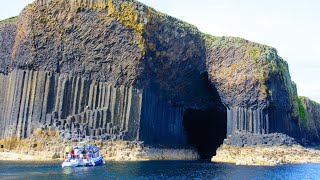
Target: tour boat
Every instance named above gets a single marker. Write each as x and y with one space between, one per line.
92 158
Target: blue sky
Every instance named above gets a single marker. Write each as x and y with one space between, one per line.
291 26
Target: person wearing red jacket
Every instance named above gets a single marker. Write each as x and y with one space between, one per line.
72 153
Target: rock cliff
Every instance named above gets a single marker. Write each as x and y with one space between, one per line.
119 70
254 84
309 119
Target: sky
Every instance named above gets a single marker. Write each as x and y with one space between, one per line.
291 26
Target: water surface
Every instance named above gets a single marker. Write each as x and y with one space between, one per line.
156 170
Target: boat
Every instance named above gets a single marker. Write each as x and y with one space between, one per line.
93 157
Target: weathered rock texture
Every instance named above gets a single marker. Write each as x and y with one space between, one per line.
242 139
47 145
310 119
266 155
255 85
111 69
76 106
103 68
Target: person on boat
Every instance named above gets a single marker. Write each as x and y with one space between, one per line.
76 153
90 153
72 153
83 152
91 156
87 156
67 151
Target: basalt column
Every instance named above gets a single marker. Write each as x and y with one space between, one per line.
76 106
161 123
247 119
260 121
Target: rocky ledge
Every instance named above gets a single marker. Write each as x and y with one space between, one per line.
111 151
137 151
245 148
242 139
266 155
47 146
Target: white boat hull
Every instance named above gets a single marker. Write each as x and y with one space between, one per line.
83 162
71 163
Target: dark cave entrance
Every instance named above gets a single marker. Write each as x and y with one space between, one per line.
205 130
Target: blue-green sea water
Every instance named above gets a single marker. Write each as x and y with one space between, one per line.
156 170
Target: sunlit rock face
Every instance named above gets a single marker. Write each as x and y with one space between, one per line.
119 70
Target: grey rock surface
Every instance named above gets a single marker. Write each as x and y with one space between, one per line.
242 139
310 120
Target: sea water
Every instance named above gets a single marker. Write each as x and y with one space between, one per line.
156 170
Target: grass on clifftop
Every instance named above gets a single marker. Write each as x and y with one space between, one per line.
12 19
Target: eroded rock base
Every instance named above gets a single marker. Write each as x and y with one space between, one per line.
266 155
47 145
243 138
136 151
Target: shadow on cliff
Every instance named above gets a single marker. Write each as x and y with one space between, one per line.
206 129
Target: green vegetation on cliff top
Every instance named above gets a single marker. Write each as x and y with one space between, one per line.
11 19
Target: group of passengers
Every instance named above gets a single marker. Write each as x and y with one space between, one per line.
79 153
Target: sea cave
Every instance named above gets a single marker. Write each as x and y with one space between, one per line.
205 130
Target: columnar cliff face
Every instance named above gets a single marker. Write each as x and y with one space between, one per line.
7 37
76 106
254 84
309 119
111 69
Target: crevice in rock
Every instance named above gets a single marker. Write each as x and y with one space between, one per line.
205 130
